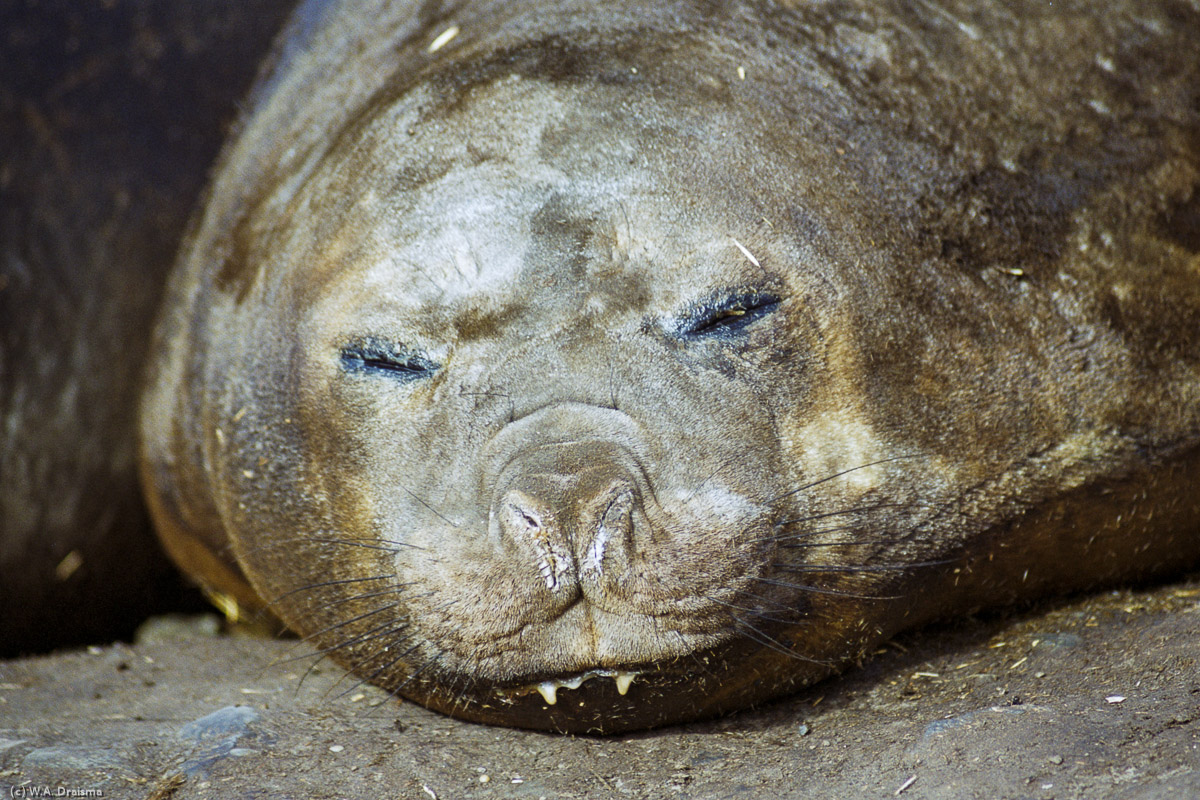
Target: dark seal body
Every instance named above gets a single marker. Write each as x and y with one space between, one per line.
594 366
111 115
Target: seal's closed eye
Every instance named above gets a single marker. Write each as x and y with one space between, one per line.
396 361
726 316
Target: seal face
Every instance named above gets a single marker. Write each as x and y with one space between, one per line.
556 375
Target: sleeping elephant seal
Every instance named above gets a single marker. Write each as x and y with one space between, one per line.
594 366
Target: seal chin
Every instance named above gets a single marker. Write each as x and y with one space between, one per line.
582 640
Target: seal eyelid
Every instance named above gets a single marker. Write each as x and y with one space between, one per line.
374 356
728 315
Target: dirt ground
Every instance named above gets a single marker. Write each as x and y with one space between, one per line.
1097 697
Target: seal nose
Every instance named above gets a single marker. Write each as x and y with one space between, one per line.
570 509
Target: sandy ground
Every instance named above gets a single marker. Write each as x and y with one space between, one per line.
1098 697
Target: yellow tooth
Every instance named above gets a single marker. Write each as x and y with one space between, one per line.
623 680
549 691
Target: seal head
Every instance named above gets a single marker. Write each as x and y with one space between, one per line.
598 382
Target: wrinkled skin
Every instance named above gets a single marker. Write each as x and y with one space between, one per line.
671 358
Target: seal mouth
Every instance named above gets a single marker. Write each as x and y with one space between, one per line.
548 689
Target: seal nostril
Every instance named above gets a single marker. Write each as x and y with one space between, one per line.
521 516
619 511
532 524
608 531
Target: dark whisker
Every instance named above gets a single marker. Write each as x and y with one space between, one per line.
753 633
819 531
396 691
371 678
385 546
388 628
324 652
327 584
759 613
818 590
435 512
842 511
505 395
806 545
378 632
861 567
391 590
345 622
375 543
836 475
765 602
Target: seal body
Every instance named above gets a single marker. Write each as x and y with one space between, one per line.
110 118
598 366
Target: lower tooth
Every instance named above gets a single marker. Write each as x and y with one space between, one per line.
549 691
